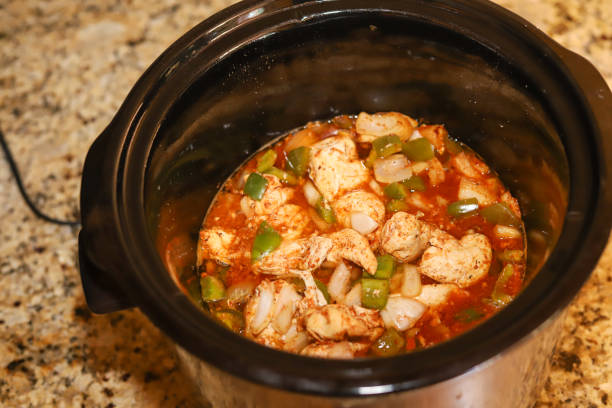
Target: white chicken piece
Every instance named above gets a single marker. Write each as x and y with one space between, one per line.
215 243
273 198
290 220
338 322
350 245
370 127
405 236
469 165
304 254
335 168
436 135
479 189
436 293
338 350
462 262
270 316
512 202
359 202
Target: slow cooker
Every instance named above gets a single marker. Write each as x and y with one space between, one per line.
537 113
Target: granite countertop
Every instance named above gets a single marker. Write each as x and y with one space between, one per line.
65 67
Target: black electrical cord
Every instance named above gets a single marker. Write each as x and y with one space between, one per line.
24 194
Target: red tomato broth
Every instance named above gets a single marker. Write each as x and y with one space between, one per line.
438 323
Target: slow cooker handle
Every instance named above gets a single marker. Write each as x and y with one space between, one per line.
99 253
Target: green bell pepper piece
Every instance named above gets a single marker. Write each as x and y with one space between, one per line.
325 211
414 183
389 344
468 315
385 267
462 207
369 161
297 160
500 213
212 289
343 122
230 318
452 146
266 241
374 293
255 186
396 205
511 255
395 190
266 160
498 296
283 176
323 288
418 150
387 145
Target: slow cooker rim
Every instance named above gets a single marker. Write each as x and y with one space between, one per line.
153 311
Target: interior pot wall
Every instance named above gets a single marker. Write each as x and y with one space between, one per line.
376 63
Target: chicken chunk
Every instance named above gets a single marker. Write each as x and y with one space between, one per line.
436 294
469 165
275 196
350 245
370 127
462 262
484 192
335 167
359 202
291 221
304 254
339 350
215 243
436 134
338 322
405 237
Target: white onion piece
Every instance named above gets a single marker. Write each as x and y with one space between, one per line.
339 282
305 137
401 312
376 188
285 307
353 297
391 169
502 231
296 340
411 280
311 193
263 310
239 292
363 223
415 135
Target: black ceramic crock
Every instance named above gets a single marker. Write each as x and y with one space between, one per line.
539 114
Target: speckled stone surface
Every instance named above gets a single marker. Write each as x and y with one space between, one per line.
65 67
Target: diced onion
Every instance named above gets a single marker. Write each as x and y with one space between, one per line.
376 188
305 137
339 282
411 280
415 135
285 307
239 292
311 193
401 313
353 297
502 231
263 310
363 223
391 169
319 222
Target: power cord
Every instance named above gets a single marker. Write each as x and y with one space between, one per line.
24 194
